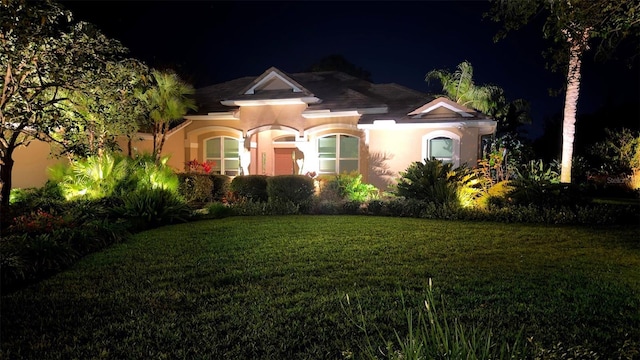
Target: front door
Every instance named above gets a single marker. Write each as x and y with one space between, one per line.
283 161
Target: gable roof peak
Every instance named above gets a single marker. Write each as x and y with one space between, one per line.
274 79
443 102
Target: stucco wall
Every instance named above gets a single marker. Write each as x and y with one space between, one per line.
392 151
31 164
174 146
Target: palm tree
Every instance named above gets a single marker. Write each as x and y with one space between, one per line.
169 102
459 87
575 26
577 46
489 99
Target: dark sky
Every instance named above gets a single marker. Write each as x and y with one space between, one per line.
399 42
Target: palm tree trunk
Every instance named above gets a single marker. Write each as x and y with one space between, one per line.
570 104
163 130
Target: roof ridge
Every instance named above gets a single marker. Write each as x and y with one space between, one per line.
404 88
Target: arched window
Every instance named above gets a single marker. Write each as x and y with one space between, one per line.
224 155
338 153
443 146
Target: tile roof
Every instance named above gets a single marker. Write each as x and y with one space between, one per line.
336 90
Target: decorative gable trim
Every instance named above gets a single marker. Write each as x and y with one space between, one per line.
442 103
293 101
270 75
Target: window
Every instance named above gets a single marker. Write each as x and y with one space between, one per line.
224 154
443 146
338 154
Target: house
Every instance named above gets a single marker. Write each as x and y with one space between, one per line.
321 123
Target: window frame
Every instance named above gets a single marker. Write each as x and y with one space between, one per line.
441 134
222 158
338 152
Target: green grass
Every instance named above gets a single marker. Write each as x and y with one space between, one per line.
275 287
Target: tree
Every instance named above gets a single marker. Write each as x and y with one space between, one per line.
168 102
489 99
95 115
460 87
574 25
43 57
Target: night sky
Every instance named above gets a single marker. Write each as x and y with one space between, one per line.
211 41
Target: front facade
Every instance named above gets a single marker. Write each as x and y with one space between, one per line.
321 123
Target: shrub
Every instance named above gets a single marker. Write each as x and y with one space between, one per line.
431 181
31 196
250 208
196 188
37 222
284 207
47 197
545 194
376 207
219 210
254 208
326 207
539 185
153 207
112 175
350 187
144 173
90 178
352 207
402 207
536 170
496 195
221 184
27 257
440 183
619 153
297 189
250 187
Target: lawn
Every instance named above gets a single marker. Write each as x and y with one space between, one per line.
276 288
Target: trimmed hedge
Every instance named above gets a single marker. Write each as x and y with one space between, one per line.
298 189
250 187
221 184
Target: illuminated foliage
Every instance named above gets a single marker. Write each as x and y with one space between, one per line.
489 99
168 101
46 63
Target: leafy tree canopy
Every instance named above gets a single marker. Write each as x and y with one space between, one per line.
46 60
606 23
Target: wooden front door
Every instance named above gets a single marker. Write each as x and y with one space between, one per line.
283 161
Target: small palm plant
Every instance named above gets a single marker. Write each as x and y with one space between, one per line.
169 101
151 175
112 175
90 178
440 183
